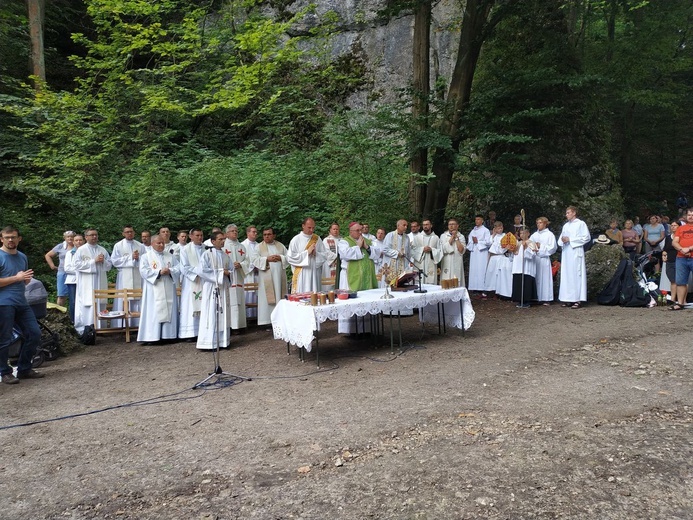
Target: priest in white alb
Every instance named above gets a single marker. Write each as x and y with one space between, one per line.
331 267
91 263
271 264
126 259
454 246
191 286
574 235
216 270
250 244
241 267
397 251
427 252
306 256
160 274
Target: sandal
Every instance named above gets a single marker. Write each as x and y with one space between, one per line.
676 307
566 304
576 305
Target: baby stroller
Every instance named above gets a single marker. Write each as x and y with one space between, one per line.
37 298
645 265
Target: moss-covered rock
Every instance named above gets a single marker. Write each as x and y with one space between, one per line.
59 322
601 262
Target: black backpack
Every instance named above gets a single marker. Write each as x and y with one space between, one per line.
88 337
611 293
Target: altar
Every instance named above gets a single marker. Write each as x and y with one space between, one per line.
298 323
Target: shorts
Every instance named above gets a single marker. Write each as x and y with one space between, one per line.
62 289
684 267
670 268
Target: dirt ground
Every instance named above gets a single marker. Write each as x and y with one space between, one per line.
534 413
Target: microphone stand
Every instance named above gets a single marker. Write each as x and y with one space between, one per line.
218 374
522 281
420 274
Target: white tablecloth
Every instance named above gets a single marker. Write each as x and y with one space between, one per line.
296 322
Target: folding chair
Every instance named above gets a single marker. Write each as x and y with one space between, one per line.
251 287
103 313
131 294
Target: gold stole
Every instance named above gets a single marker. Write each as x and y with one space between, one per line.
299 269
266 276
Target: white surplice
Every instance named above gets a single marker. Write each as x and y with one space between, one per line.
270 274
215 324
191 290
308 279
478 257
496 261
544 277
573 286
504 278
91 275
159 306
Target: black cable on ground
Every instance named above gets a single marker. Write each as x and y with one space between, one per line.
219 384
143 402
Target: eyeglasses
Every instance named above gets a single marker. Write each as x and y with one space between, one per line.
92 235
14 238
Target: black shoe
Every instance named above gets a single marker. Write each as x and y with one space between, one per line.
9 379
30 374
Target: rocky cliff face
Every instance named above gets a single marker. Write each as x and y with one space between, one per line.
385 45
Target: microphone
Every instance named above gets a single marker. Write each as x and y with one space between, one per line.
411 261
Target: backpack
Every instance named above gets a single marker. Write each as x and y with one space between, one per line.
611 293
88 337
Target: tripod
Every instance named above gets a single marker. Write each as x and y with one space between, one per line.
217 374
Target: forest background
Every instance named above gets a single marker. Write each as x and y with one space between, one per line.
186 113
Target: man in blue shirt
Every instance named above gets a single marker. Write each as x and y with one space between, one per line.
14 309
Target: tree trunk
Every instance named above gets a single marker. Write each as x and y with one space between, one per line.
611 29
475 26
36 9
421 91
627 148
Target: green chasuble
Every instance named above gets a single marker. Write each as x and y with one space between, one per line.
361 273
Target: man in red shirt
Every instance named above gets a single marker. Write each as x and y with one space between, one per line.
683 243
